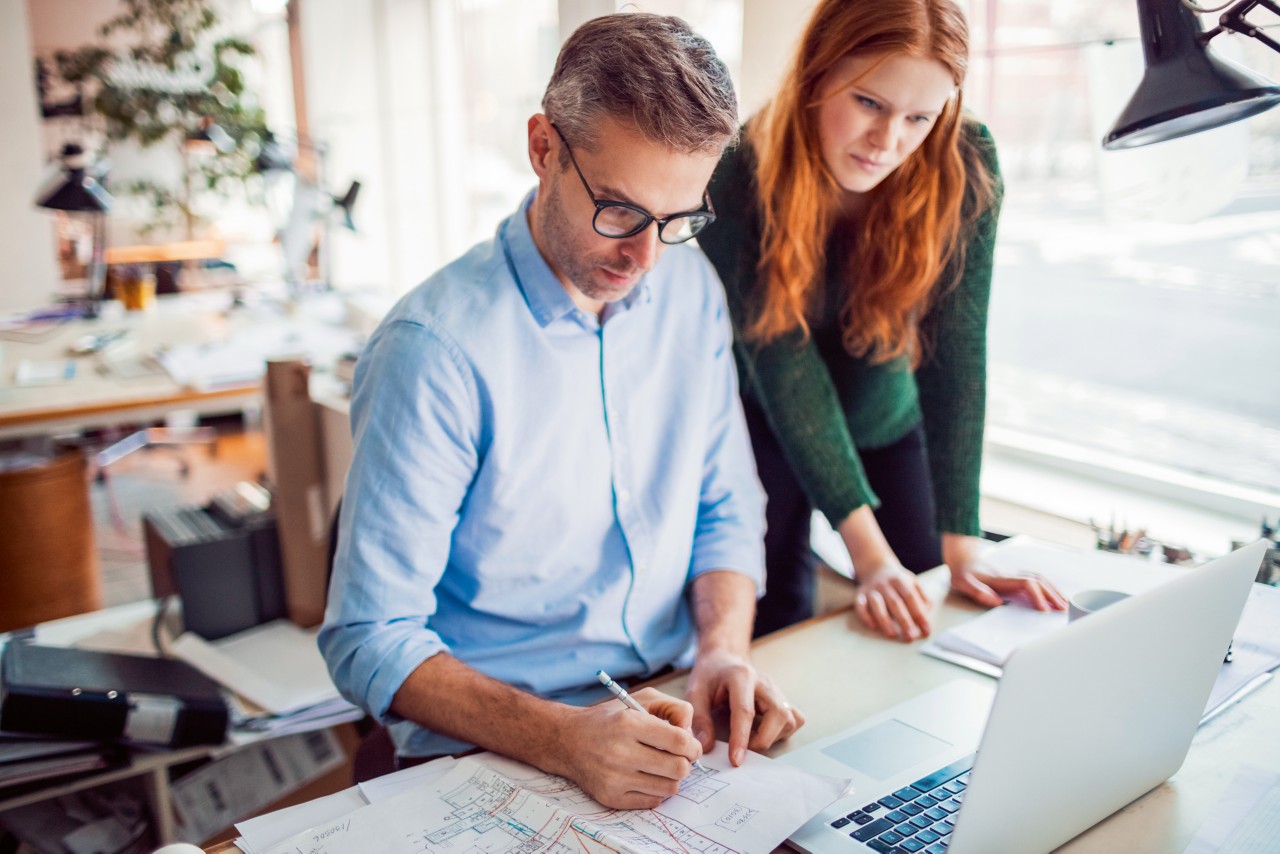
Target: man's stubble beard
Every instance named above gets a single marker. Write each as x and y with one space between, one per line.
567 255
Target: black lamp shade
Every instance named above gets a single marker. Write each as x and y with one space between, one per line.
76 191
1186 88
73 189
347 203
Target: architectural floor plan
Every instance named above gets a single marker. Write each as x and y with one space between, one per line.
491 805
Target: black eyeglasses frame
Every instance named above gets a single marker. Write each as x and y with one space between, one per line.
706 215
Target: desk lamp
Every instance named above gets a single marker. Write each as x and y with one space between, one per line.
1187 87
78 194
311 202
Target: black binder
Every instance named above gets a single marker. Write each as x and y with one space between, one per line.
100 695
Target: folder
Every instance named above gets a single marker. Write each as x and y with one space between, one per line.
26 759
87 694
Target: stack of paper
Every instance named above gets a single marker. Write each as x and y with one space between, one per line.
985 642
257 835
277 674
213 366
242 359
491 803
25 758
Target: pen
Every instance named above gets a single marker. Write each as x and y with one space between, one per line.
621 693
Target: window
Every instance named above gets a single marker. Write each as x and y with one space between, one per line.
1136 301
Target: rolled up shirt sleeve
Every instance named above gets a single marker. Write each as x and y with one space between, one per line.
415 423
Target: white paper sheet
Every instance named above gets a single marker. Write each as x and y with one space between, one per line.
276 665
390 785
985 642
44 371
498 806
260 833
1246 819
993 636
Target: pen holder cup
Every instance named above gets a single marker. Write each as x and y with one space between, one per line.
136 289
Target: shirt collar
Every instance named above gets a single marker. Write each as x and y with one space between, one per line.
544 293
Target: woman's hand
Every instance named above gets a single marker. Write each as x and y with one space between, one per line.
890 599
973 581
891 602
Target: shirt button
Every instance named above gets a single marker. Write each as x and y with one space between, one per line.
640 568
624 496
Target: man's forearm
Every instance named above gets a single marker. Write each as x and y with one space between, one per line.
724 610
444 695
622 758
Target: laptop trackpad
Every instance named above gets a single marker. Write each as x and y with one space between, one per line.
886 749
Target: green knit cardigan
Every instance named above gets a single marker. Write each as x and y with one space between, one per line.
824 404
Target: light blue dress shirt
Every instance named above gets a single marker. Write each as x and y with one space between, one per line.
533 489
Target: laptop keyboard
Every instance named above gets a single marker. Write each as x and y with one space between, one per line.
917 818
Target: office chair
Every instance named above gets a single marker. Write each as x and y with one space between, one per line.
149 437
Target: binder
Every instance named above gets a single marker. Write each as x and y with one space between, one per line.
87 694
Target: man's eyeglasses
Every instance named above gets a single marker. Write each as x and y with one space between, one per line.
620 219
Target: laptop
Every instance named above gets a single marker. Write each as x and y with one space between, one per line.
1085 720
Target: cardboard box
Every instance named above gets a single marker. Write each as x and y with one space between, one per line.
296 468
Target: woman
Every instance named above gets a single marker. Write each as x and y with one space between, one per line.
855 234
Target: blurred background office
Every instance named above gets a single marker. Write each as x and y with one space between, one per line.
1137 293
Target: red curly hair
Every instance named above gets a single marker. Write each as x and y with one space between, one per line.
910 230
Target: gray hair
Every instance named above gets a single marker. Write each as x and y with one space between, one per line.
651 70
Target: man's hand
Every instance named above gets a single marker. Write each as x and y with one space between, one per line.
626 759
726 679
623 758
891 602
723 675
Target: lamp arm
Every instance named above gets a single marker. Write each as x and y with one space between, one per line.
1234 19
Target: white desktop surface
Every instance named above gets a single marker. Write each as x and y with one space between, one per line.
99 397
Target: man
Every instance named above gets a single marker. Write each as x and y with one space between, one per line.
551 473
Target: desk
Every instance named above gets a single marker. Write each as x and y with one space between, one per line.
186 250
96 399
874 674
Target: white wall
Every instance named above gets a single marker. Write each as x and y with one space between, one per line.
68 25
28 274
770 33
344 51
